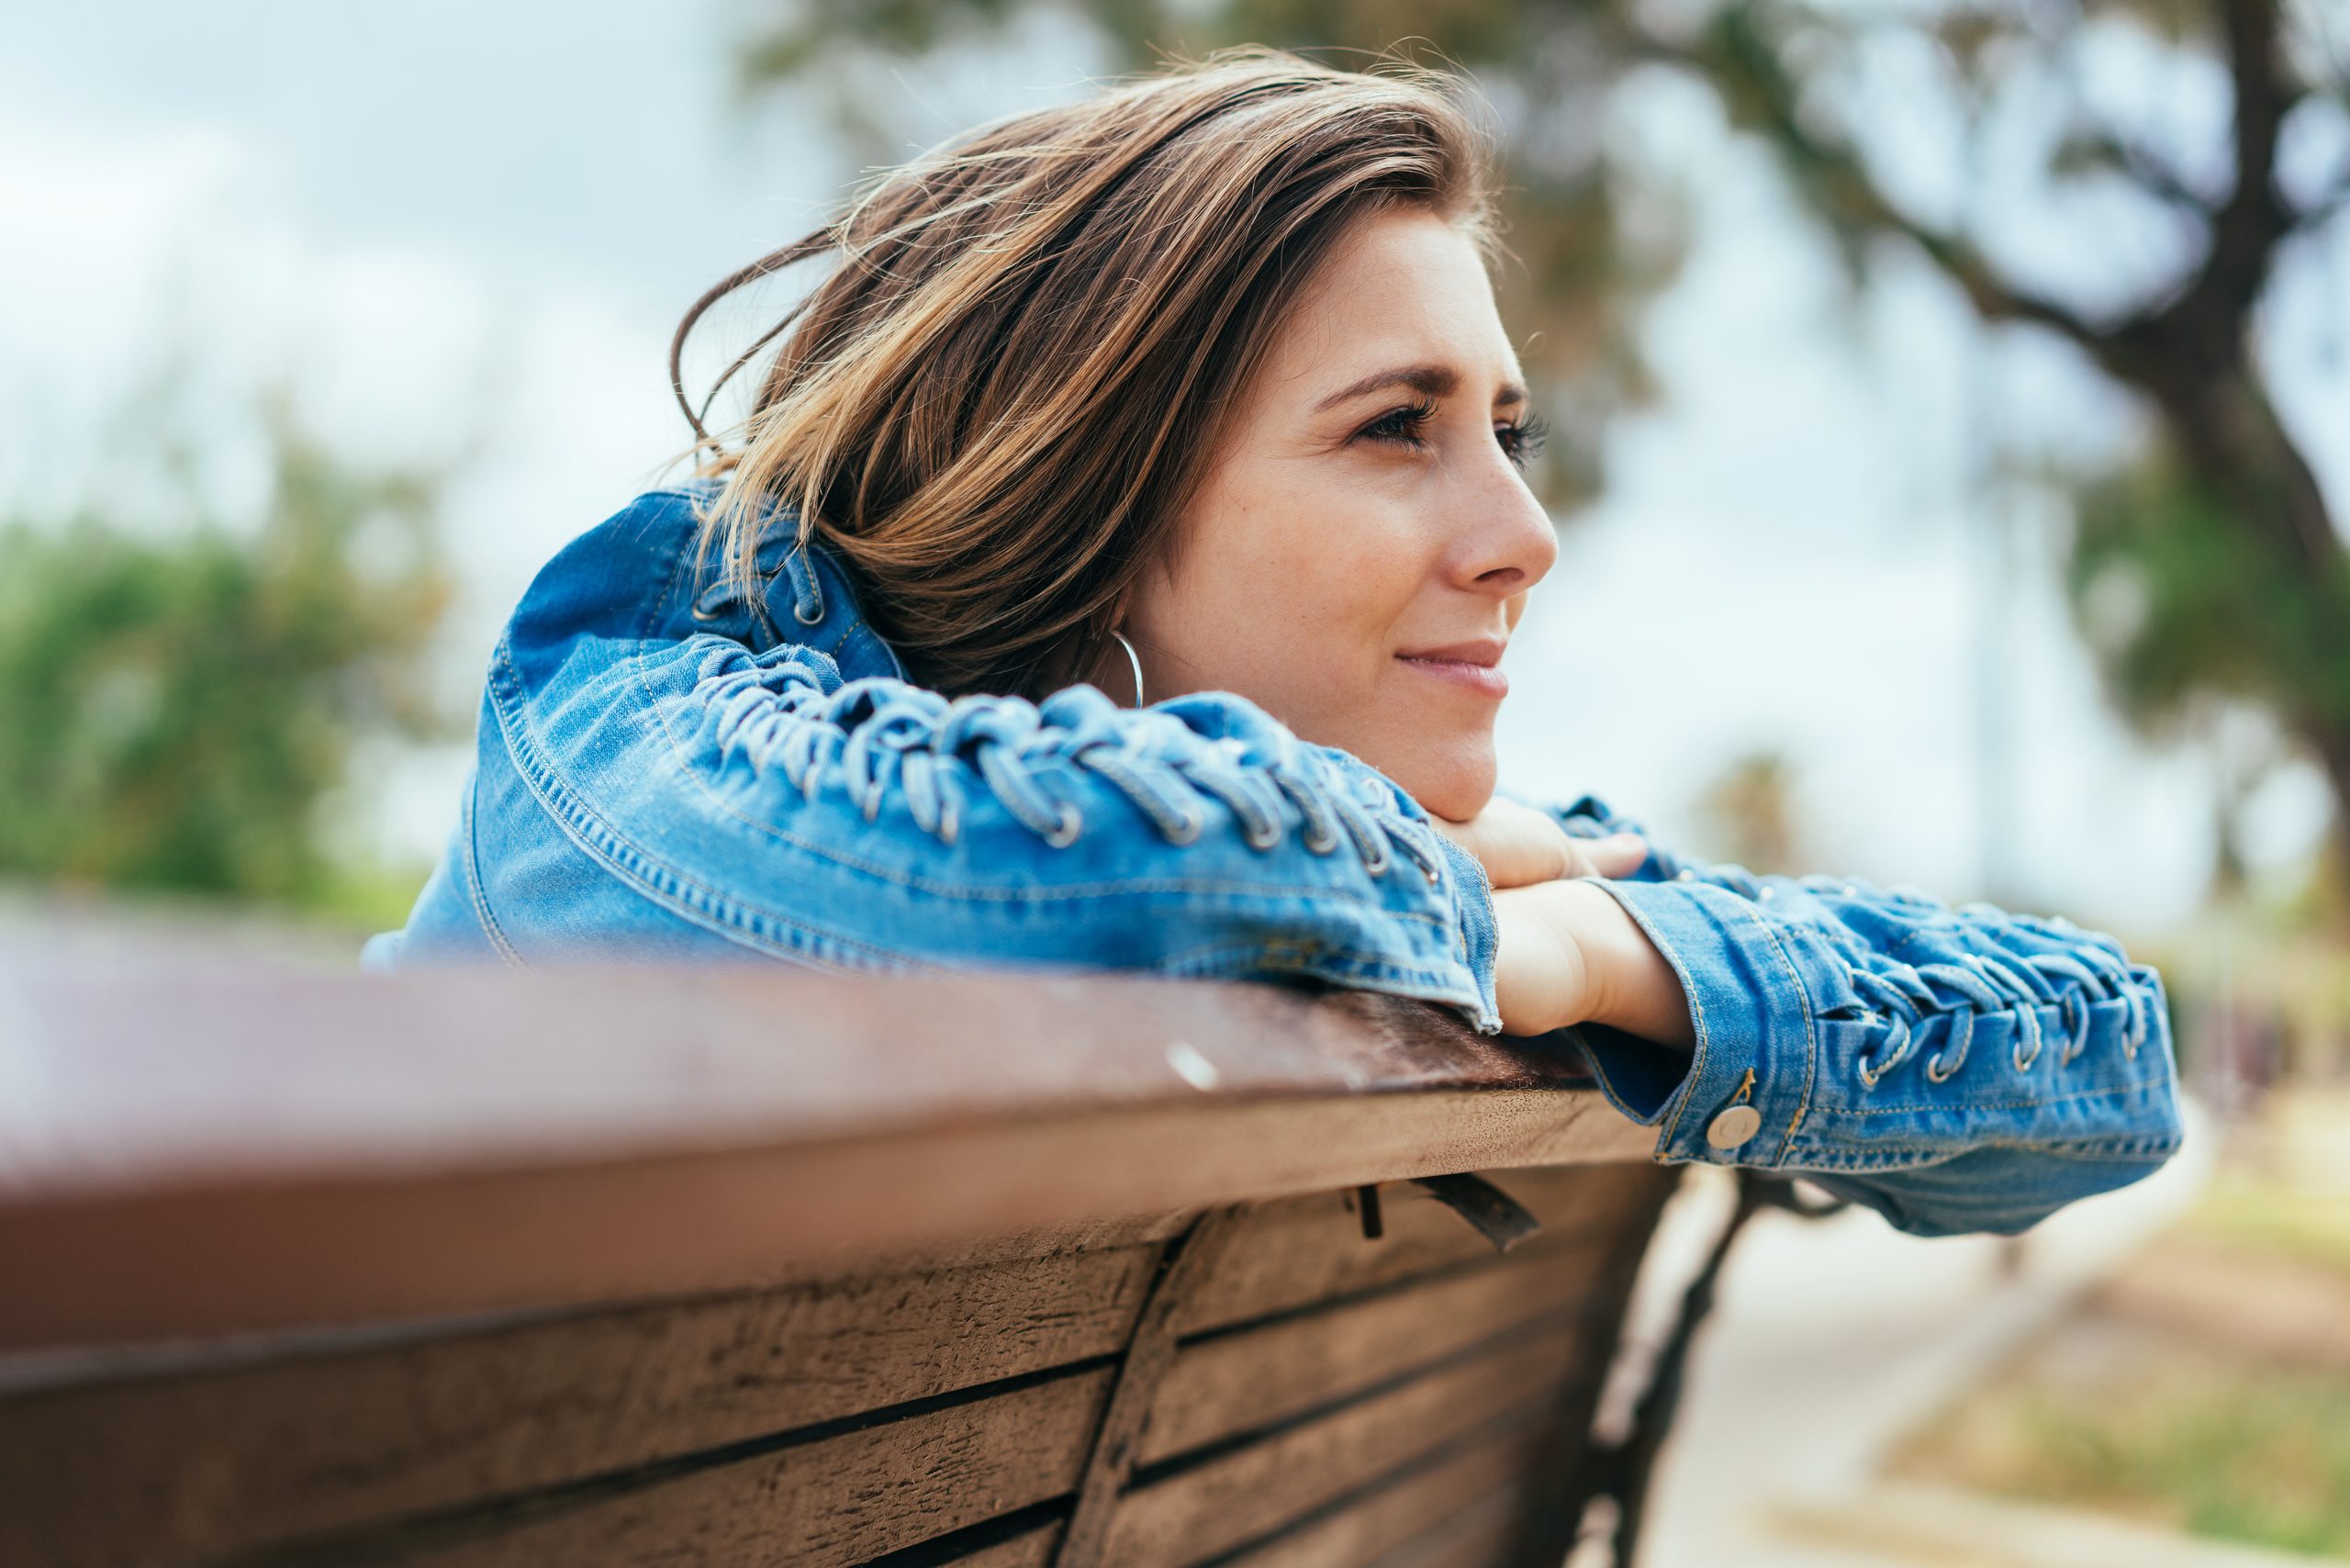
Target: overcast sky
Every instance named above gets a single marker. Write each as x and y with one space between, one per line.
465 217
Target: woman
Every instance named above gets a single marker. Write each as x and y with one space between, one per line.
1113 571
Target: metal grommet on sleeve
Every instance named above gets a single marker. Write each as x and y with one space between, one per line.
1737 1121
1734 1126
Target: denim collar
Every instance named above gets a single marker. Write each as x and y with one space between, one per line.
807 597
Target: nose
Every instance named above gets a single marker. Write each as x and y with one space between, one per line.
1506 542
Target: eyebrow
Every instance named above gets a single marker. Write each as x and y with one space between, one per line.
1430 380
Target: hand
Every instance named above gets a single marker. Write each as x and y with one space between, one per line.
1570 954
1519 846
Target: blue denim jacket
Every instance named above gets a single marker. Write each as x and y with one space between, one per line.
669 769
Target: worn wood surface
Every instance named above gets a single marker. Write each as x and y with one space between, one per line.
712 1427
124 1081
1034 1548
297 1444
1478 1536
214 1155
1312 1248
212 1459
1230 1499
1241 1382
1400 1510
839 1501
774 1268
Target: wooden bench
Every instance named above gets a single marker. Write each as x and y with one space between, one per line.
736 1266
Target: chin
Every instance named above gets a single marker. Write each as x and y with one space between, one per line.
1453 781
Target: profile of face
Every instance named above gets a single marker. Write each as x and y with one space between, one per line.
1363 545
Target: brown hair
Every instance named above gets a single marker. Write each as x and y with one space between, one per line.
997 404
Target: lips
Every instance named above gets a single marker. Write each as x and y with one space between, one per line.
1474 665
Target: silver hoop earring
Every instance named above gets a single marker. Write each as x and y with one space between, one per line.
1133 659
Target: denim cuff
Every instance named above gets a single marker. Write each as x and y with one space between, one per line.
1755 1044
1479 935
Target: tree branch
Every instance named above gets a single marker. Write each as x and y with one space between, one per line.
1760 94
2103 148
2247 226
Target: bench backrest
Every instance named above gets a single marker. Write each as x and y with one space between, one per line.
757 1267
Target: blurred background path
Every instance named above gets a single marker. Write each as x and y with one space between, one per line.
1834 1340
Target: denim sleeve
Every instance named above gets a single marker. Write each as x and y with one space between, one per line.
1958 1071
872 824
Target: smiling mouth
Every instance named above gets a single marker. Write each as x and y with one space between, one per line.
1485 680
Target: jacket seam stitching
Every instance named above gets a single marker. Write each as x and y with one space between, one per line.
841 641
478 895
623 857
1877 1159
2130 1088
1811 1040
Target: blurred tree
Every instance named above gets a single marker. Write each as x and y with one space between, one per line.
175 703
1750 808
1591 247
2216 534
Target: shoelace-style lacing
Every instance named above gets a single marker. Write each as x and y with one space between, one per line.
1906 992
869 733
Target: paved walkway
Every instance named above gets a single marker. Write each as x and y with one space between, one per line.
1833 1338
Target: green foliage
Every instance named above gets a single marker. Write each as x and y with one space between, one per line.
2183 1431
2249 1209
176 704
2260 1458
2179 600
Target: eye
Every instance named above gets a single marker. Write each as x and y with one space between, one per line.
1401 425
1521 441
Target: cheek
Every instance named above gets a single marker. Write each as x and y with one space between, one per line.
1312 588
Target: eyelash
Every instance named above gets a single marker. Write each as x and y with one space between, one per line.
1519 442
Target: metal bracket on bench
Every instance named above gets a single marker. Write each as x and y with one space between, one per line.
1492 1212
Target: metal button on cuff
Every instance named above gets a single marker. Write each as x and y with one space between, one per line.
1733 1126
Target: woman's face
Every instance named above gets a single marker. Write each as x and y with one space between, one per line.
1363 545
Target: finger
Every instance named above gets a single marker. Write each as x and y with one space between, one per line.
1508 842
1617 854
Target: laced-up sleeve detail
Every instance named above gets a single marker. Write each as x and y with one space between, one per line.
876 737
871 821
1959 1068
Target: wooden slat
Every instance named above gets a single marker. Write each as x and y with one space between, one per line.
1399 1508
1247 1379
206 1262
1196 1511
216 1460
262 1448
1035 1548
1304 1250
612 1267
122 1080
826 1505
1477 1537
199 1155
